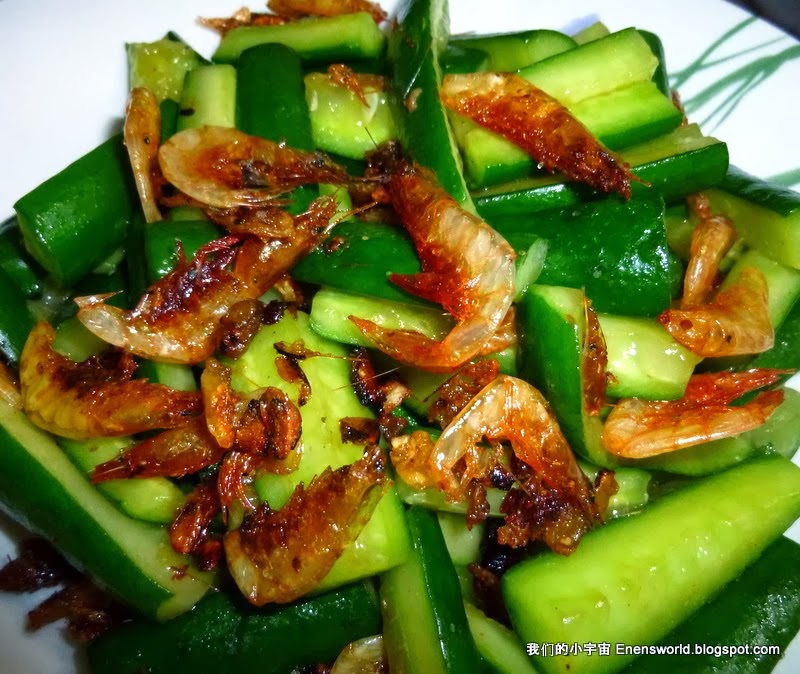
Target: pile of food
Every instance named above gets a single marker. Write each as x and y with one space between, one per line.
367 347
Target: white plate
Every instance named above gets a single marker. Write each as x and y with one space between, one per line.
62 73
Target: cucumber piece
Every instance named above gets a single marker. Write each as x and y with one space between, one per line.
780 434
594 31
383 542
644 360
660 76
75 341
784 354
208 98
500 648
414 50
433 499
334 39
16 319
620 118
161 244
161 66
637 578
225 634
614 249
762 606
425 627
46 493
330 310
463 544
76 219
632 489
766 216
675 165
511 51
594 68
552 331
461 60
17 264
342 123
152 499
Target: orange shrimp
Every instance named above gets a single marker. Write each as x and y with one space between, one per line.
299 8
178 318
467 267
96 397
142 133
736 322
224 168
594 363
535 121
242 17
190 527
344 76
637 429
173 453
278 556
711 239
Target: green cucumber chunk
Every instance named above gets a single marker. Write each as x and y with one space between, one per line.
462 60
780 434
594 31
637 578
762 606
766 216
76 219
785 353
383 542
644 360
463 543
334 39
161 243
425 628
152 499
414 50
16 319
500 647
342 123
208 98
225 634
45 492
677 164
594 68
511 51
17 263
552 331
161 66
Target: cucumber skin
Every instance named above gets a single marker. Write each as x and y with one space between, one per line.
225 634
42 490
76 219
762 606
635 579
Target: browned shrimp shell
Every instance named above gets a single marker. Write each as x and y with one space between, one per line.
535 121
142 133
225 168
96 397
278 556
736 322
298 8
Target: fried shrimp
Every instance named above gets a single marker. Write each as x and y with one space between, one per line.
142 133
225 168
96 397
637 428
174 453
178 318
277 556
535 121
711 239
298 8
345 76
242 17
467 267
735 322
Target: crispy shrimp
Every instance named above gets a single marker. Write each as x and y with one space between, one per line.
535 121
345 76
277 556
173 453
142 133
242 17
190 527
178 319
736 322
637 429
711 239
96 397
467 267
224 168
299 8
594 361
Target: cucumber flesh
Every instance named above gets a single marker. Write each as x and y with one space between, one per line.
208 98
507 52
500 648
637 578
